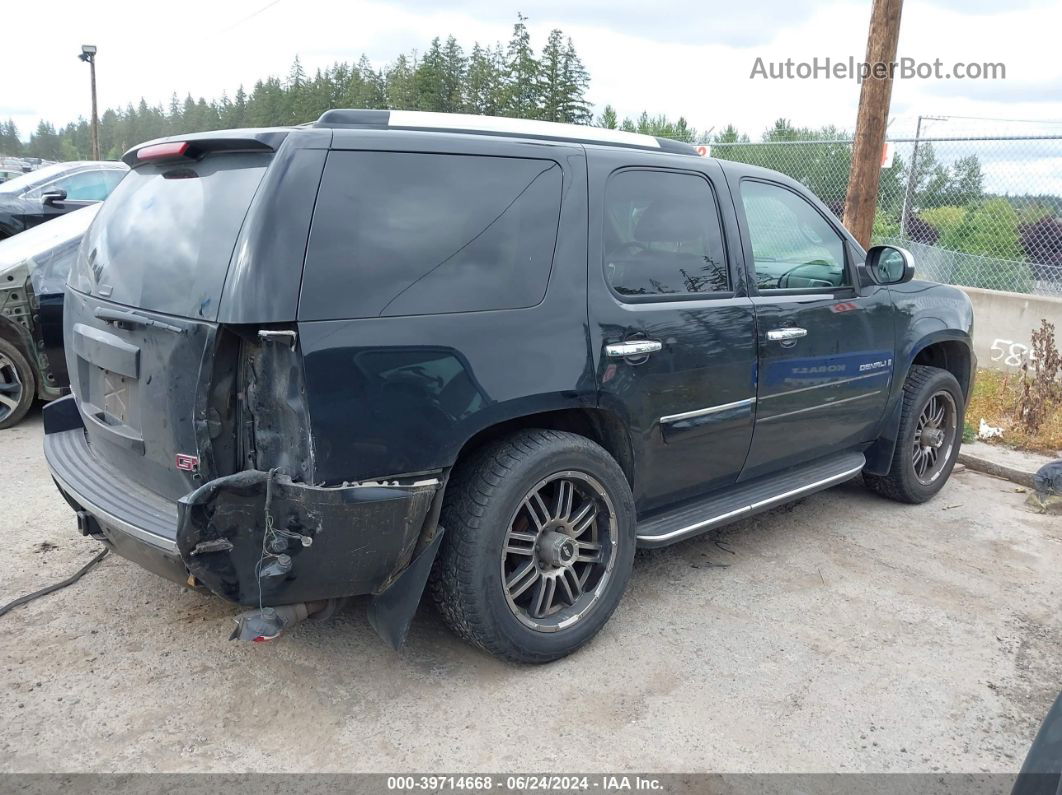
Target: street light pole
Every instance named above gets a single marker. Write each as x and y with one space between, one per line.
88 54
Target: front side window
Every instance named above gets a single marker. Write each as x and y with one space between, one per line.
94 185
662 235
401 233
793 246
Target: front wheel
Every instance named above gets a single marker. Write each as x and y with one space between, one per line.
539 545
929 438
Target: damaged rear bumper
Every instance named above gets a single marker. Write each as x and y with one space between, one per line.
253 537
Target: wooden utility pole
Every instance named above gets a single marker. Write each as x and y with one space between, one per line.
874 97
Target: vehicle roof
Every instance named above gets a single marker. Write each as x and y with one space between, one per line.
428 122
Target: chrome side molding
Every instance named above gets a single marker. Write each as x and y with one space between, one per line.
817 406
688 415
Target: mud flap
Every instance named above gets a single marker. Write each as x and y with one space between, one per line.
259 538
391 611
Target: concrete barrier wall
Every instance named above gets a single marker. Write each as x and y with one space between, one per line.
1004 322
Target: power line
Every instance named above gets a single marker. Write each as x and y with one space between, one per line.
253 14
994 118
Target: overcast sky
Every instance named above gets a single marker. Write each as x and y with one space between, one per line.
686 58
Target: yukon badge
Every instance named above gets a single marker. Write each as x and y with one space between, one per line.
188 463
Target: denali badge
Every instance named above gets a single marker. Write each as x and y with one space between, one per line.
189 463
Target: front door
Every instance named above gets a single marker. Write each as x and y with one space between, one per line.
671 327
825 350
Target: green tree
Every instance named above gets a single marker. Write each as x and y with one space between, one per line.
235 115
575 81
989 232
522 98
552 90
10 143
454 76
608 118
399 83
966 183
45 143
427 86
730 135
368 89
485 88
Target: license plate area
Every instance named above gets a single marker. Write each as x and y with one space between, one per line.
109 378
113 398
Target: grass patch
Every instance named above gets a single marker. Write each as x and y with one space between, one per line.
995 400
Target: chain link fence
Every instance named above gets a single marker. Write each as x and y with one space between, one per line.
980 212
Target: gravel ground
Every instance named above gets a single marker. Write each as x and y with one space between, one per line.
842 633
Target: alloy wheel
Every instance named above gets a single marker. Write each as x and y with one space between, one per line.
11 388
934 437
559 551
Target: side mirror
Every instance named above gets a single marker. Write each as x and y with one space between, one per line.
890 264
53 197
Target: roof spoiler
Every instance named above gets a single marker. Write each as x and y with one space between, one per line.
197 145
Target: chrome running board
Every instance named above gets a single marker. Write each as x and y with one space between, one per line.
744 499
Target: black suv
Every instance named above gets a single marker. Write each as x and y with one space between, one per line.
392 347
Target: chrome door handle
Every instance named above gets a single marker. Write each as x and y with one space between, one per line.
783 334
623 350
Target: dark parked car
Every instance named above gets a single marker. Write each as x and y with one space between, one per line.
323 361
51 191
33 270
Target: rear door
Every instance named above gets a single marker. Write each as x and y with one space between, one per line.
671 327
825 350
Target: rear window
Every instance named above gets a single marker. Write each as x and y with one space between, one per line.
163 239
397 233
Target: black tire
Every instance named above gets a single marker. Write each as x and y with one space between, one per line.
18 383
903 482
482 506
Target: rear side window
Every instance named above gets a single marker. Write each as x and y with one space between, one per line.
163 239
662 235
397 233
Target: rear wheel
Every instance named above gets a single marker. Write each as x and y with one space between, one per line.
18 385
930 435
539 545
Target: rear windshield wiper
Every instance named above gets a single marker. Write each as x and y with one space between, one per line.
119 316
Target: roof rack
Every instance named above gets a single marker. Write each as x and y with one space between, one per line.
496 125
